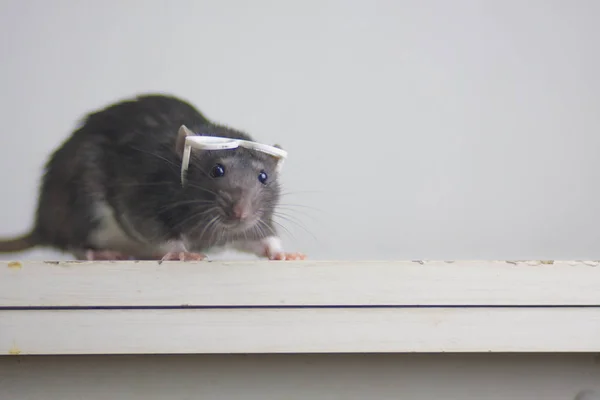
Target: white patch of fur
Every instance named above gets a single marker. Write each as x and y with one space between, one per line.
273 245
266 247
109 234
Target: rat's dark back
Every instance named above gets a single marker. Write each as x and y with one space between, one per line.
112 143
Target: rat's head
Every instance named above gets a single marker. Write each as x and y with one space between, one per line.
236 189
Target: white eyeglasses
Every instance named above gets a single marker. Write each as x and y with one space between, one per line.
222 143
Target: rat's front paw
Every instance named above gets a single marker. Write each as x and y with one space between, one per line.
273 250
287 256
183 256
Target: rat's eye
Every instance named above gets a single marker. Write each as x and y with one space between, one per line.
217 171
262 177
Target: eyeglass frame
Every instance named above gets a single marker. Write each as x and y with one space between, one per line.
222 143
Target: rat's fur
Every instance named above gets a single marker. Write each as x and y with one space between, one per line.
114 186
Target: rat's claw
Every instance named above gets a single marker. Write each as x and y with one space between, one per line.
183 256
287 256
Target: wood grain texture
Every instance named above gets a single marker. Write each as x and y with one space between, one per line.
371 330
43 284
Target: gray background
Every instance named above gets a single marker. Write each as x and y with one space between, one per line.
437 129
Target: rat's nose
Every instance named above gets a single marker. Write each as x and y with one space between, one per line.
241 210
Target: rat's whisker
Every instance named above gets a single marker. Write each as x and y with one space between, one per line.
182 203
207 227
295 222
287 217
217 232
192 185
302 213
292 205
198 215
261 230
287 231
169 162
262 224
180 223
286 193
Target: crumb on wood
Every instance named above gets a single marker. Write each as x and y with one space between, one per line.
15 265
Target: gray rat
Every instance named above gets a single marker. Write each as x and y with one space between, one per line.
113 191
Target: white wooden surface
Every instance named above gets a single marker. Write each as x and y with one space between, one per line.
298 307
299 282
300 331
300 377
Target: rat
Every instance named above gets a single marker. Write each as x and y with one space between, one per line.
113 191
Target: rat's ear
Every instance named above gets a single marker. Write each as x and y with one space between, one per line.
181 135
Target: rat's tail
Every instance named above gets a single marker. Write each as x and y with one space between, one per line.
19 243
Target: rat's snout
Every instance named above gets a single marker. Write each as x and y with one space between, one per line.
241 210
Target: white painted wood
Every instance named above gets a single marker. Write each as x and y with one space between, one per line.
299 282
300 331
300 377
279 329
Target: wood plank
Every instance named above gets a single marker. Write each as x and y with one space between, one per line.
298 283
300 331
